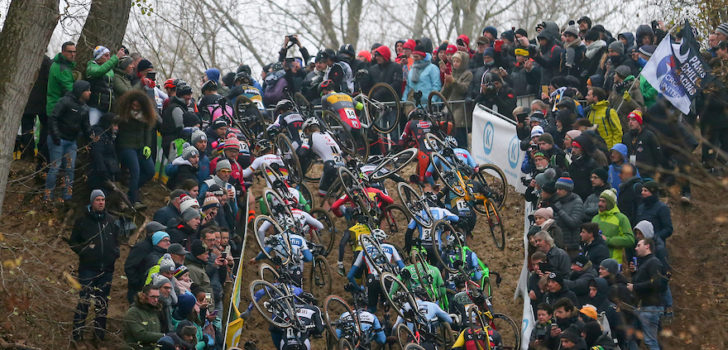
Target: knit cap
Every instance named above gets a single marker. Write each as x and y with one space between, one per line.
159 236
546 213
546 137
573 133
210 202
166 264
610 195
565 183
100 51
189 152
191 213
96 193
636 115
617 46
611 265
187 203
601 173
197 136
223 164
536 131
180 271
722 29
158 280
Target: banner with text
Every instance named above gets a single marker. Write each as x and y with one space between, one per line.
495 142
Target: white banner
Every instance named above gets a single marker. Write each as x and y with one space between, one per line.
528 321
495 142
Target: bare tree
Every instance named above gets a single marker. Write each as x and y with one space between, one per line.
105 25
23 40
537 11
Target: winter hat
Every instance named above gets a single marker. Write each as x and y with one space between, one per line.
572 30
572 334
521 52
210 202
549 187
144 64
589 310
185 305
213 74
419 50
722 29
451 49
100 51
223 164
232 142
187 203
647 229
647 50
190 152
546 137
601 173
537 116
573 133
176 249
366 54
580 260
191 213
522 32
652 186
539 155
197 136
509 35
536 131
565 183
167 264
610 195
546 213
557 277
215 189
409 44
576 144
158 280
464 39
481 40
611 265
637 115
617 46
178 272
154 226
623 71
96 193
384 52
545 177
489 51
219 123
125 62
197 247
491 30
159 236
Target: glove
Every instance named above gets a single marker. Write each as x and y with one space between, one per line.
359 106
626 96
56 140
147 152
340 268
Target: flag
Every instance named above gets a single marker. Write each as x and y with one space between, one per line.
677 70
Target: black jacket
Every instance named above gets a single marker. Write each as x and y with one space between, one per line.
70 116
628 199
171 123
657 213
596 251
551 298
104 163
167 213
95 240
390 73
580 170
646 149
578 282
134 268
649 281
182 234
602 303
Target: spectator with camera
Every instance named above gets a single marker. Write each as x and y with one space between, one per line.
548 54
568 213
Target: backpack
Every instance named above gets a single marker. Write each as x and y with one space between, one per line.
274 86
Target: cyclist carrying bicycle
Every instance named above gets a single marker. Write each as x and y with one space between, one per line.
371 328
268 157
292 197
276 243
323 145
425 234
428 311
459 157
433 283
465 258
289 120
351 236
372 285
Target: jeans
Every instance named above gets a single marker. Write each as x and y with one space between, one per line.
141 170
649 317
96 286
63 154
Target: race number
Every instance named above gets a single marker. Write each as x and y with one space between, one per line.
462 205
426 234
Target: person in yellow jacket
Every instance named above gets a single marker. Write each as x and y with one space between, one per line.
604 117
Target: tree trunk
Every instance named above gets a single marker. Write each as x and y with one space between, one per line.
23 41
419 18
105 25
352 22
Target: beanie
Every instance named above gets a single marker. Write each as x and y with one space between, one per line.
96 193
159 236
601 173
573 133
189 152
144 64
451 49
589 310
188 203
611 265
166 265
219 123
100 51
522 32
610 195
557 277
623 71
539 155
637 115
509 35
409 44
572 30
125 62
216 190
617 46
223 164
197 248
549 187
191 213
580 260
652 186
536 131
565 183
185 305
489 51
158 280
546 137
722 29
545 177
419 50
546 213
491 30
154 226
178 272
232 142
197 136
647 50
210 202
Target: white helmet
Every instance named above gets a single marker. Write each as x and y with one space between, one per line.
310 122
379 234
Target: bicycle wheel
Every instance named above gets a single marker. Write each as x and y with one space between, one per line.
510 334
306 195
281 245
326 236
416 207
442 106
448 246
268 273
249 111
448 174
334 308
355 190
278 207
320 281
495 223
285 150
398 296
384 107
413 346
340 132
404 335
376 258
423 275
345 345
493 178
394 219
393 164
272 303
445 335
303 105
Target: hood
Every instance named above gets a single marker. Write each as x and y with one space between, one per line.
622 149
646 228
385 52
586 143
79 87
602 291
213 74
59 58
630 39
464 59
427 43
549 32
464 38
180 161
643 30
185 304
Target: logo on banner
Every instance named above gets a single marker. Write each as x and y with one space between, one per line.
514 152
670 84
488 136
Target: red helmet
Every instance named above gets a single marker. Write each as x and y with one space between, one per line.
170 84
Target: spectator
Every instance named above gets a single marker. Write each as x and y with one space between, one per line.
565 314
160 243
648 284
100 73
645 230
603 116
423 76
196 262
556 156
166 299
643 145
142 326
185 167
596 49
123 76
455 88
571 339
137 119
614 225
385 71
536 284
35 107
654 210
649 94
544 219
599 183
173 116
582 272
582 165
104 162
593 245
233 151
66 122
572 56
617 157
60 75
556 258
525 76
95 240
625 95
494 92
557 290
599 298
629 196
187 230
171 211
549 54
616 57
542 328
568 213
134 267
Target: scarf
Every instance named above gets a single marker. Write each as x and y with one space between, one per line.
594 47
417 68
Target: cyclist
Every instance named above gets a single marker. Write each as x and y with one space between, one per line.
287 119
244 87
458 157
425 234
325 147
360 228
414 134
290 195
477 335
268 157
455 258
276 243
429 313
434 283
375 195
372 284
370 327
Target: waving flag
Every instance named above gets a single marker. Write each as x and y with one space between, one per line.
677 70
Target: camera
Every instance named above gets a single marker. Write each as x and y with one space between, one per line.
525 181
544 266
152 75
292 39
532 51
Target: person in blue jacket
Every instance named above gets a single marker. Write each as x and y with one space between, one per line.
423 76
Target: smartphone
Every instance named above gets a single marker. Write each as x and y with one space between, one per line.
214 313
208 298
224 255
634 261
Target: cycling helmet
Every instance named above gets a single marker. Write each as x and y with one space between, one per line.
308 298
243 78
405 275
209 85
170 84
416 114
379 234
273 130
431 198
420 292
263 145
184 89
327 84
310 122
284 105
288 223
451 141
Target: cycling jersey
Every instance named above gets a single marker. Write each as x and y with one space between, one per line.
268 159
426 234
430 311
299 248
248 91
371 329
392 256
324 146
292 122
375 195
414 132
294 198
358 230
471 260
309 316
343 106
461 154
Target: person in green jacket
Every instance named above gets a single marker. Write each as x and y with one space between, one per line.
142 327
60 75
615 227
608 126
100 73
436 284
